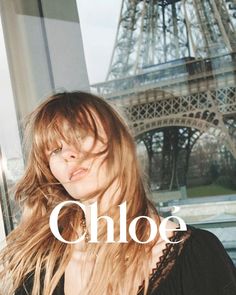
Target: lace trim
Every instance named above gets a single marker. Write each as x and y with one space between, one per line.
167 260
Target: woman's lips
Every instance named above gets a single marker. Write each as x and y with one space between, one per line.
81 172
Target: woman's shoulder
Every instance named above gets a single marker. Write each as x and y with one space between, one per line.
202 236
204 241
204 247
199 256
204 256
209 260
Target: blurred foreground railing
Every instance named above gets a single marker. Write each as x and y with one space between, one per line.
215 214
192 69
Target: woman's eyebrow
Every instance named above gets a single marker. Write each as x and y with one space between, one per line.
52 145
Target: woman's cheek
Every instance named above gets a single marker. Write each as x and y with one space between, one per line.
55 168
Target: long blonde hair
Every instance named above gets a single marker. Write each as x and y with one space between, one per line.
120 268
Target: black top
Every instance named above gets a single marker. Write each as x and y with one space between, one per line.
199 265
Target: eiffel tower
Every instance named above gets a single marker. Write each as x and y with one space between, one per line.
172 72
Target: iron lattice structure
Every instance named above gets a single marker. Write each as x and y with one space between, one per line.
171 126
157 31
173 72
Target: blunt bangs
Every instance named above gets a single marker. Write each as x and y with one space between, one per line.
66 119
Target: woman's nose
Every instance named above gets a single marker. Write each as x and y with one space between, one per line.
69 154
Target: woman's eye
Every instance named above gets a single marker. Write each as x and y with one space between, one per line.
55 151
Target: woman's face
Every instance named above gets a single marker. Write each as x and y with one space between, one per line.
78 175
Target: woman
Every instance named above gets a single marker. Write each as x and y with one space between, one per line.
80 149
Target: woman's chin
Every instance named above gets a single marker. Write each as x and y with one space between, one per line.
82 197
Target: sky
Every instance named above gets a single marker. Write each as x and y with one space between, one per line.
98 20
